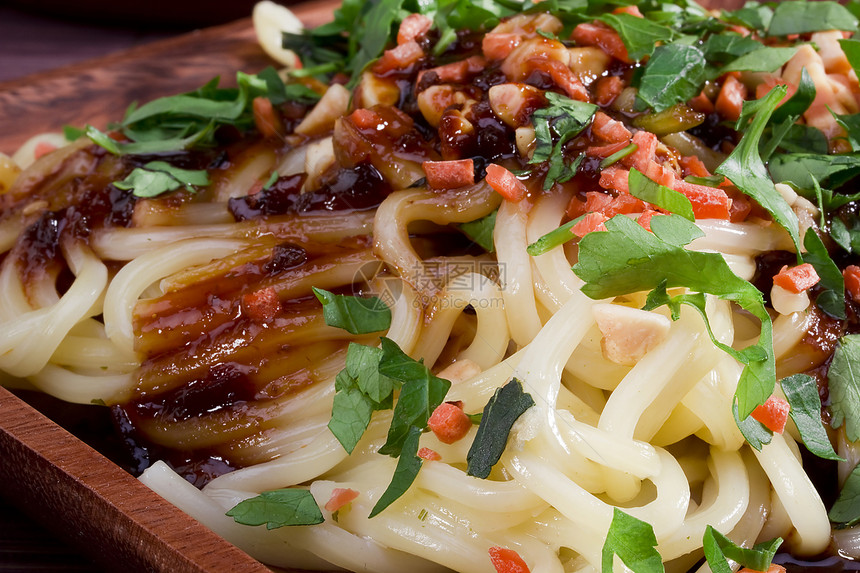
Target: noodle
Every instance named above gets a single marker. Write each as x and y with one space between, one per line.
495 303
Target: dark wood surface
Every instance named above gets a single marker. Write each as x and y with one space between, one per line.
99 90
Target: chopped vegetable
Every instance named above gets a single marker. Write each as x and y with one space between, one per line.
719 548
633 541
797 279
507 404
507 560
773 414
449 423
505 183
340 496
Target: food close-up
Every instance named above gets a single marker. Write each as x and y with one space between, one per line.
495 286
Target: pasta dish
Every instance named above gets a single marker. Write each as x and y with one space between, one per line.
494 286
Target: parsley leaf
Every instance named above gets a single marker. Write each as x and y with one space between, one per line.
182 121
404 474
652 192
502 410
674 74
360 390
420 394
565 118
724 48
633 540
800 17
356 315
277 508
626 258
846 510
744 166
481 231
766 59
851 48
754 15
802 394
843 379
801 168
719 548
832 297
640 35
157 177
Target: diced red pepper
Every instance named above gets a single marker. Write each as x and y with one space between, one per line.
608 129
412 27
562 76
701 103
602 36
851 274
365 118
645 218
399 57
507 560
607 89
773 414
646 148
692 165
429 455
505 183
498 45
457 72
615 178
43 148
266 119
796 279
449 174
708 202
449 422
632 10
590 223
261 305
731 99
340 496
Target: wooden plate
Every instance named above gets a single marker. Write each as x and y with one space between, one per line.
64 484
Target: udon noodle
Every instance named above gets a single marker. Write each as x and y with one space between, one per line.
191 312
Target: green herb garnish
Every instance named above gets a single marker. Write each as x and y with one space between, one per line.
157 177
801 391
843 379
719 548
507 404
634 542
660 195
278 508
420 394
356 315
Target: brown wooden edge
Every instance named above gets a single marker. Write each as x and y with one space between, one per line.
98 91
91 503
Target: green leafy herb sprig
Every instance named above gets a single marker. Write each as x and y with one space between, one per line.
191 119
555 125
157 177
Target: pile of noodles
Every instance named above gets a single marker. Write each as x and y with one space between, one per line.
142 306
